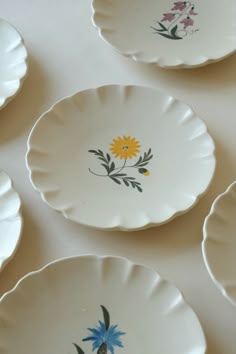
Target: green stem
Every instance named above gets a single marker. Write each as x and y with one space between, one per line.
121 168
125 167
118 168
96 174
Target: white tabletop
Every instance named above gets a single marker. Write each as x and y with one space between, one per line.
66 55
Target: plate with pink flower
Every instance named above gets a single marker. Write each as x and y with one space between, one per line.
171 34
120 157
103 305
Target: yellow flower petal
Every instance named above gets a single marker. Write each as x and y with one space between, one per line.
125 147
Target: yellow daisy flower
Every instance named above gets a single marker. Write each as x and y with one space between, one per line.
125 147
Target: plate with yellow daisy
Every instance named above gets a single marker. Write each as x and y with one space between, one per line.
120 157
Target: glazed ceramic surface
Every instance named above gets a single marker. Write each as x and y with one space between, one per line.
10 220
105 304
219 244
13 62
120 157
168 33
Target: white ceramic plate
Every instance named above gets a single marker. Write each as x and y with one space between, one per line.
13 62
87 303
120 157
10 220
168 33
219 243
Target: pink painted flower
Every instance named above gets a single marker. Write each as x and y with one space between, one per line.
191 12
179 5
187 22
168 17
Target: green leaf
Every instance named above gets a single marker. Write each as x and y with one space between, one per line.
115 180
100 152
102 349
106 317
147 159
112 167
143 164
138 183
108 158
139 160
93 151
106 167
168 36
130 178
158 30
147 156
79 350
162 26
173 31
126 182
139 189
119 175
102 159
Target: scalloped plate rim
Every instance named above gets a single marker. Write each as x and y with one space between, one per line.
21 79
20 217
212 211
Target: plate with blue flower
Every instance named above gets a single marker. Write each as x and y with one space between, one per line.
93 304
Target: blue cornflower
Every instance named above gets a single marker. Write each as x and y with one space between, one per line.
105 335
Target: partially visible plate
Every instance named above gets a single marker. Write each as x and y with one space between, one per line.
10 220
102 304
120 157
169 33
13 62
219 243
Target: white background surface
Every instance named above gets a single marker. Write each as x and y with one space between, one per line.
66 55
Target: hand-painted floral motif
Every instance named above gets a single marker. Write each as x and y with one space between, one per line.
180 5
104 337
191 12
187 22
125 148
179 19
168 17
